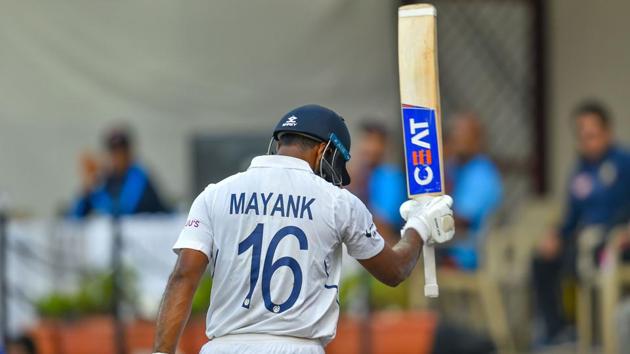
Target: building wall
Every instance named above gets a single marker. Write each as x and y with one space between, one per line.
69 69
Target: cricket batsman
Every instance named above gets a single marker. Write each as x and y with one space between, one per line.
272 237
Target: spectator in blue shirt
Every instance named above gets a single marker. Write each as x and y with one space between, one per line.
124 187
380 185
475 184
598 194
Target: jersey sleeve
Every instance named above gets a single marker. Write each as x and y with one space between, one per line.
356 227
197 232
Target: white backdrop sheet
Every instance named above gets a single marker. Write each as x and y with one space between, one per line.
46 256
70 68
51 256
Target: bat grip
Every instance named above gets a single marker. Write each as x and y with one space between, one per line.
430 279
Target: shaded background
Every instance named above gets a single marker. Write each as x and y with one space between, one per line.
200 80
174 69
70 68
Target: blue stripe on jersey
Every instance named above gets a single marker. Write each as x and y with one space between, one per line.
214 265
331 286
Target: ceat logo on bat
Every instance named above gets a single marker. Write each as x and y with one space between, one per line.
421 150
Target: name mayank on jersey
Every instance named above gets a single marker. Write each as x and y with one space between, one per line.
272 204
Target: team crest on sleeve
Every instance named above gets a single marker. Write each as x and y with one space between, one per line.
371 231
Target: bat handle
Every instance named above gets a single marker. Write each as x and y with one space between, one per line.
430 280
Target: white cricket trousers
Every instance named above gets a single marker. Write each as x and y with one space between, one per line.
262 343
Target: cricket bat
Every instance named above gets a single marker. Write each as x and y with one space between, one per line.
420 106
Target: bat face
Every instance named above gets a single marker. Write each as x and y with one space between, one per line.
420 98
419 95
422 156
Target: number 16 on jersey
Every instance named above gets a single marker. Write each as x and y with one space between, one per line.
420 101
254 241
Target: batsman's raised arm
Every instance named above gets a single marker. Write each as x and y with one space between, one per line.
425 220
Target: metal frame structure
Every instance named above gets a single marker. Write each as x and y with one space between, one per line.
537 164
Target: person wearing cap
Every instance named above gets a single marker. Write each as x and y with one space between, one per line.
123 187
272 237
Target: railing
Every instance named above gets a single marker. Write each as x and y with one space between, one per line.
52 256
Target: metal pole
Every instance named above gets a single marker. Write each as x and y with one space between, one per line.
4 315
365 334
540 101
117 283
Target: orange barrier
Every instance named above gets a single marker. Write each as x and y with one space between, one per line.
390 332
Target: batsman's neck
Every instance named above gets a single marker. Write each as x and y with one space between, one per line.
310 155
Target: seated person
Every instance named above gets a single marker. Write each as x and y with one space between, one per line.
598 194
380 185
475 184
123 187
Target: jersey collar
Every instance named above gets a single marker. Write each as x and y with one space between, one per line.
280 161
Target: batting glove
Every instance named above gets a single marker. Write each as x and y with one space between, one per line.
431 217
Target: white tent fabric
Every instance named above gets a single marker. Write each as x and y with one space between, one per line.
70 68
46 257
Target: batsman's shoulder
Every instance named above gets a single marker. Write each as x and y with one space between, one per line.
203 197
347 198
211 189
229 180
224 183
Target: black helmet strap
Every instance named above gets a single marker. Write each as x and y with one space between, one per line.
328 167
271 144
330 164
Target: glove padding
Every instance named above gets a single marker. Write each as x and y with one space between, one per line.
431 217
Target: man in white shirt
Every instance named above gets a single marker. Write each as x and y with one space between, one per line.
273 235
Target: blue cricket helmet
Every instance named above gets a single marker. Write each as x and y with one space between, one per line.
321 124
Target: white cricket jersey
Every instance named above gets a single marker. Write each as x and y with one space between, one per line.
273 237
